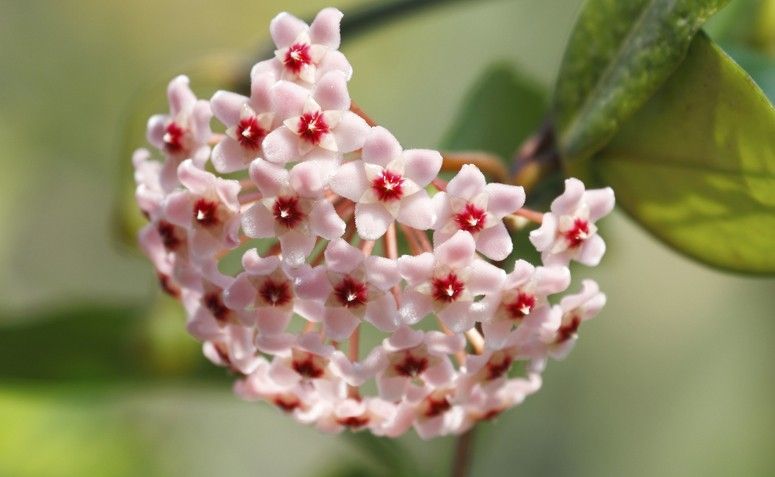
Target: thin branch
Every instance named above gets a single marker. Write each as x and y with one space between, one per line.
464 446
489 164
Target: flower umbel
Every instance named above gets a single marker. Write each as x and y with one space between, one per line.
314 202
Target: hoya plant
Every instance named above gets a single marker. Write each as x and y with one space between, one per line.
360 284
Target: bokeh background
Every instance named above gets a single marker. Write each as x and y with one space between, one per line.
97 377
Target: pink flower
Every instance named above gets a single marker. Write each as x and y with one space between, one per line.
568 232
314 121
183 133
474 206
524 290
248 121
234 349
306 53
561 331
292 209
208 209
353 288
388 184
446 282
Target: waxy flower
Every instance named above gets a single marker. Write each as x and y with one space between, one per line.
234 349
446 282
561 331
305 53
291 208
474 206
183 133
388 184
208 209
568 232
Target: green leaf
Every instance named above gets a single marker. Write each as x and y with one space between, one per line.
696 165
499 112
618 55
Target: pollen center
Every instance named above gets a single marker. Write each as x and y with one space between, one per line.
312 127
206 212
275 293
250 133
578 233
522 305
351 293
174 134
297 57
388 186
447 288
471 218
286 211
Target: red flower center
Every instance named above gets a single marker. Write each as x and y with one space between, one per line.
435 406
286 211
351 293
411 366
312 127
521 306
250 133
212 301
167 285
353 422
287 402
206 212
169 235
498 366
296 57
308 368
570 328
448 288
578 233
471 218
174 134
275 293
388 186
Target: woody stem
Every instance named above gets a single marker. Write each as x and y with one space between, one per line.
462 457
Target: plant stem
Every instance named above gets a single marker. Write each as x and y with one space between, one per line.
464 447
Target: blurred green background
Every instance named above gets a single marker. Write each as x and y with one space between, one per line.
97 377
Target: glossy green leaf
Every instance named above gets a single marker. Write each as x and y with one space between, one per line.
696 165
618 55
499 112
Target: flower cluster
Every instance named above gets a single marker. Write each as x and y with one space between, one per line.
312 197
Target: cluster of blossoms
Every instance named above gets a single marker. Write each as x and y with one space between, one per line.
312 197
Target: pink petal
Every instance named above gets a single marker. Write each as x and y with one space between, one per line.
324 220
270 178
180 96
288 100
485 278
260 91
350 180
550 280
281 146
342 257
285 28
456 316
331 91
372 220
443 212
382 272
504 199
495 242
467 183
440 375
382 313
380 147
416 268
417 211
350 133
254 264
543 237
496 333
227 106
592 251
422 165
324 29
339 323
272 321
296 247
258 222
229 156
392 388
179 208
335 61
569 200
203 244
403 338
314 285
414 306
457 251
155 130
600 201
310 177
200 121
194 179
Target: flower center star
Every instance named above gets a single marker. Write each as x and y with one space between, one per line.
173 137
312 127
250 133
578 233
471 218
275 293
448 288
297 57
168 235
307 368
212 301
286 211
206 212
498 366
411 366
388 186
521 306
351 293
